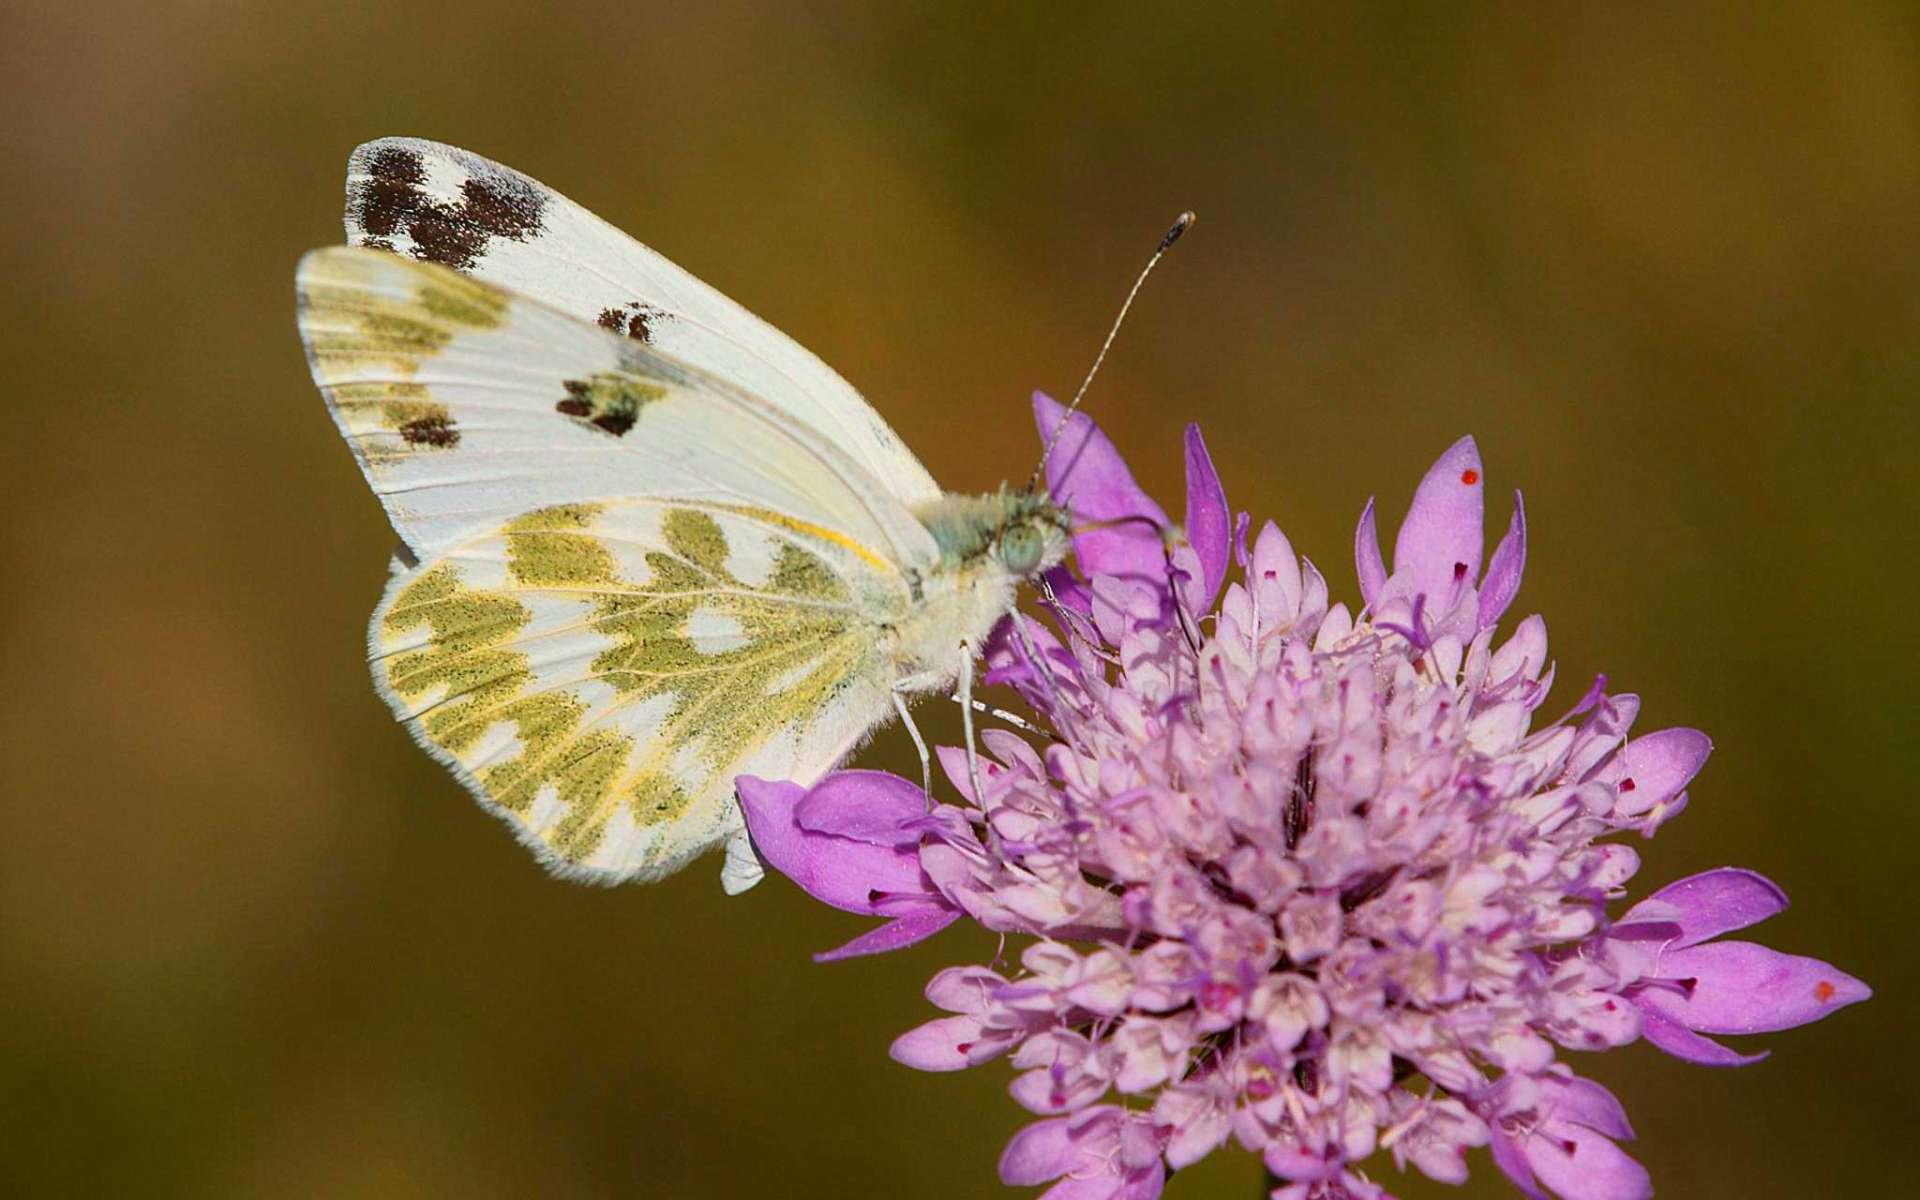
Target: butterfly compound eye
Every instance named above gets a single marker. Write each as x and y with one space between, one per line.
1021 548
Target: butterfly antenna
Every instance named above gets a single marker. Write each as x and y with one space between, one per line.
1180 226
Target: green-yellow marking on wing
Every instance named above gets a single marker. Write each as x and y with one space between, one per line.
656 798
398 407
471 652
354 323
467 652
798 630
367 315
552 547
404 403
460 301
725 697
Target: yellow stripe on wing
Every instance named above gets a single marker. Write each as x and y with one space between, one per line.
808 527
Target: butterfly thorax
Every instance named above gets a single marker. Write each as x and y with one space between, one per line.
986 546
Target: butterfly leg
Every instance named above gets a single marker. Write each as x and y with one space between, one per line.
1038 664
919 743
1001 714
965 678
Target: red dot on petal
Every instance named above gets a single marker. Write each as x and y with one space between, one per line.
1627 785
1469 477
1824 991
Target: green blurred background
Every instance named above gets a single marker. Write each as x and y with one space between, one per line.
1664 263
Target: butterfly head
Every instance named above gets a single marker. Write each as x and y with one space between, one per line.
1033 536
1023 533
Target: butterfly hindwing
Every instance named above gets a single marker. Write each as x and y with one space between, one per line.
597 674
466 406
444 205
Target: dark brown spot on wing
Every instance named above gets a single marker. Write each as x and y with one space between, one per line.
436 431
609 400
579 401
391 194
640 324
503 205
393 202
397 164
633 318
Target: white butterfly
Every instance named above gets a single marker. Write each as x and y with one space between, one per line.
650 543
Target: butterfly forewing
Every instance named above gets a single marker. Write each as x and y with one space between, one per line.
467 406
444 205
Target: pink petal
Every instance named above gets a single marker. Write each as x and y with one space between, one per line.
1442 532
1580 1164
895 934
1086 473
1366 556
1068 590
1586 1102
1741 987
1038 1092
866 806
1105 1186
1043 1150
952 874
964 989
1146 1183
1523 654
939 1045
767 805
1007 660
1651 770
1685 1044
1207 520
1140 1142
1708 904
953 761
1198 1122
1508 564
1313 598
1297 1163
1274 577
833 870
1512 1162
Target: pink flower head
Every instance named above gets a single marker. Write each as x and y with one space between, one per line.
1313 880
